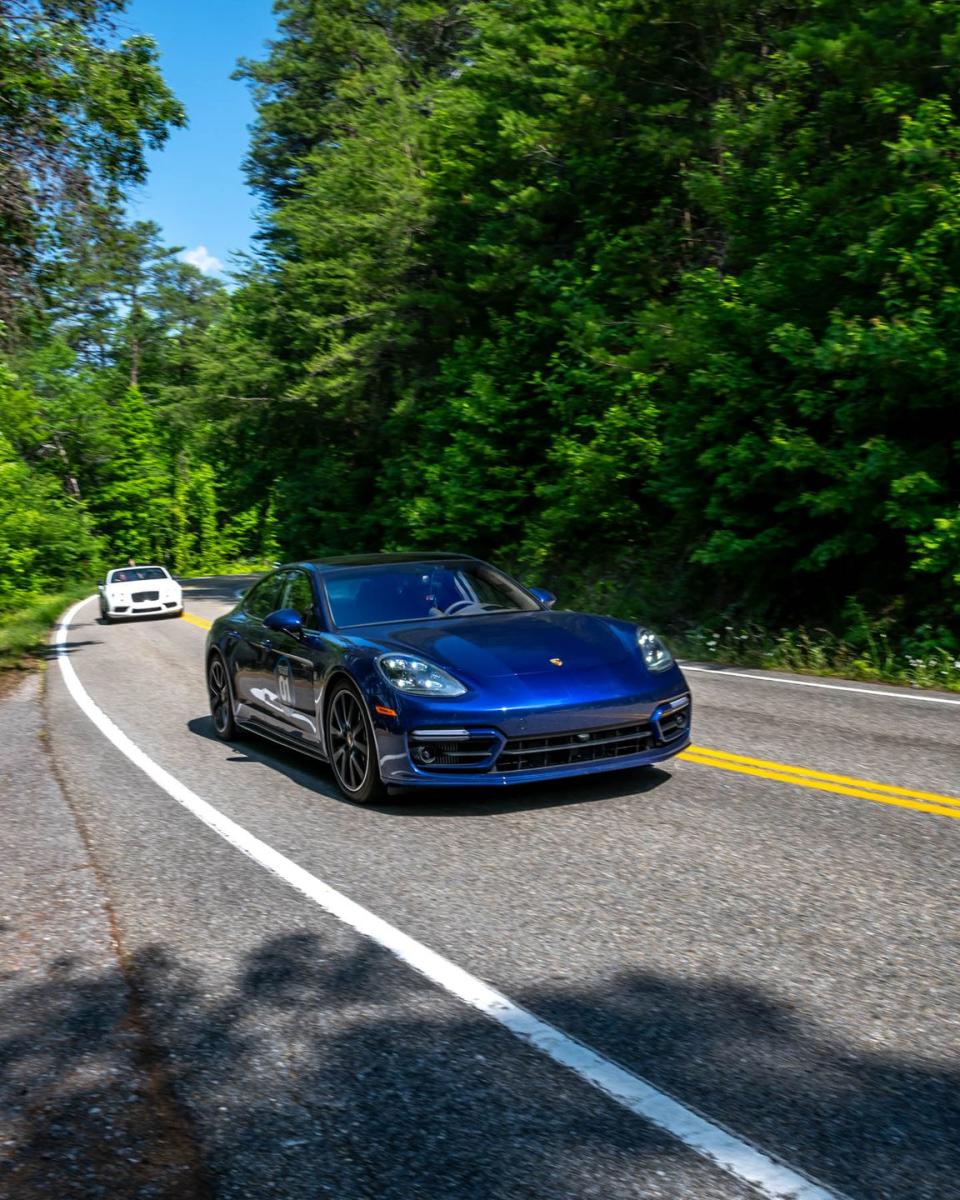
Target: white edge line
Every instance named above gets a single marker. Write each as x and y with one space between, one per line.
830 687
730 1153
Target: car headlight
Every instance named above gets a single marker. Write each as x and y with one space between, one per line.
655 654
415 677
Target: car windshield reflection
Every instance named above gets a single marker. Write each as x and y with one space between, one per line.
422 591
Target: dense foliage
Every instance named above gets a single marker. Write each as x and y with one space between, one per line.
655 300
103 328
656 295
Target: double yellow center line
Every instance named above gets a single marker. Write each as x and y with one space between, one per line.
824 781
200 622
821 781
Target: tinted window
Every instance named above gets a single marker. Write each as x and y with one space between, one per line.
265 596
299 597
421 591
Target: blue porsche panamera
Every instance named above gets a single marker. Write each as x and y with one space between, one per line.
426 670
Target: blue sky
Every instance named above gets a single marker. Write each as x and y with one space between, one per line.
196 191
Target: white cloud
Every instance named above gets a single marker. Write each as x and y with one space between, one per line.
201 258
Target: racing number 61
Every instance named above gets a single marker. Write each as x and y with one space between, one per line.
284 686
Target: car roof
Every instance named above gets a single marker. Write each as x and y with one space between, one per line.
139 567
326 565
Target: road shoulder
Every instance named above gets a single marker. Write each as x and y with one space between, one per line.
83 1104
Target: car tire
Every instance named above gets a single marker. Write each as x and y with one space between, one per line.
221 700
351 745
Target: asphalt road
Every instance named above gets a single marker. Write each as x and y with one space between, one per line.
781 958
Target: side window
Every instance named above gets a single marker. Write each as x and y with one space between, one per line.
265 597
299 596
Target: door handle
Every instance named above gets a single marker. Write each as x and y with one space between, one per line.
267 644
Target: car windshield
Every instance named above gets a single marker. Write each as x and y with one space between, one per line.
137 574
421 591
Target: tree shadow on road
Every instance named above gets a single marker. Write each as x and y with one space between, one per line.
49 651
317 1065
304 771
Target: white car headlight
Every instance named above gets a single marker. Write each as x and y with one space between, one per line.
417 678
655 654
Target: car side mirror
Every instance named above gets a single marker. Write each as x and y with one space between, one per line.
285 620
547 599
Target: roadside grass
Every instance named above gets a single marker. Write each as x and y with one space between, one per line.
919 661
24 632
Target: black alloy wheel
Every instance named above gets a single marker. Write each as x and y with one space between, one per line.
351 747
221 707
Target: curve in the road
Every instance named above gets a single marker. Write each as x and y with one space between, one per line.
732 1154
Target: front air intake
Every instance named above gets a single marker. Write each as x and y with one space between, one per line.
671 720
456 749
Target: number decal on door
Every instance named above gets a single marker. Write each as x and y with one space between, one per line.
284 682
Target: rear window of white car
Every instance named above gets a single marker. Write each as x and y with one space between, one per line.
137 574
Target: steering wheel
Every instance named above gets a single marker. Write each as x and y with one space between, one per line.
456 606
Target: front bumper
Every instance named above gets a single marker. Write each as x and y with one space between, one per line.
397 775
545 745
149 608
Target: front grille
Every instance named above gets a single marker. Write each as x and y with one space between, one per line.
142 597
560 749
486 750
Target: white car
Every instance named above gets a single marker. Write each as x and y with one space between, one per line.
140 592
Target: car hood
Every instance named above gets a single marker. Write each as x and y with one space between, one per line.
509 644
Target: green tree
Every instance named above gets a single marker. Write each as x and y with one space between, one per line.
812 430
133 506
79 111
80 108
333 310
46 538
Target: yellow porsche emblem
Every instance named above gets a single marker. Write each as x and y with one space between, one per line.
557 662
